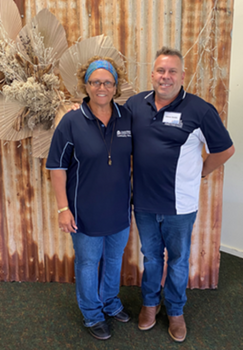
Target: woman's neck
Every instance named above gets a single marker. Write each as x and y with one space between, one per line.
103 113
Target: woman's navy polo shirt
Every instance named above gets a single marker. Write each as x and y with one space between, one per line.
167 146
98 193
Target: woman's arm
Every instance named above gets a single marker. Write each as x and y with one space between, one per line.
65 218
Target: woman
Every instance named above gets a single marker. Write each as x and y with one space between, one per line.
89 159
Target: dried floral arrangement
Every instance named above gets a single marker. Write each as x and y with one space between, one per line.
38 74
29 85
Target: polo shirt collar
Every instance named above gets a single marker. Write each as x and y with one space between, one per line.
151 95
89 115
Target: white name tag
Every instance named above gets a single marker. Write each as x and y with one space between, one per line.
171 118
125 133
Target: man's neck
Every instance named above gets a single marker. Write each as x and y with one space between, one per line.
161 103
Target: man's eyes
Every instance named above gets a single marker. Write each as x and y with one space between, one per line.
170 71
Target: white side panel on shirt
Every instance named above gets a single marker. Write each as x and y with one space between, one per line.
188 173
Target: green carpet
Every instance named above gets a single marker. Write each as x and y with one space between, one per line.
46 316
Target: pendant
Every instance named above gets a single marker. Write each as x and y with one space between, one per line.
109 160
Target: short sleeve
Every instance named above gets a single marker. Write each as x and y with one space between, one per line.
214 131
61 149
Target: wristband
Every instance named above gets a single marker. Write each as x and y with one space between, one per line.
62 209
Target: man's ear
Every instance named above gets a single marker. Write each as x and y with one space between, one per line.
182 77
152 75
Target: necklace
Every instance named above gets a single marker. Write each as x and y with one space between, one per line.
108 150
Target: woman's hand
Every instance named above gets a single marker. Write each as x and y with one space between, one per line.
66 221
65 218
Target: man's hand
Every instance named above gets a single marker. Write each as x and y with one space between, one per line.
74 107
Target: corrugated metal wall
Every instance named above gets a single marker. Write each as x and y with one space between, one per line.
31 245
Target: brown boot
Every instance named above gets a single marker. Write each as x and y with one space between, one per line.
177 328
147 317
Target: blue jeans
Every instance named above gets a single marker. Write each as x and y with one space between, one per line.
97 266
172 232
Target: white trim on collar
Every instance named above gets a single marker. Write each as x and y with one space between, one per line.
118 111
81 107
149 94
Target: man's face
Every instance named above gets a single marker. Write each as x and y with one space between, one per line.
167 77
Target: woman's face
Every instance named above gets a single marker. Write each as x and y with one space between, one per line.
101 95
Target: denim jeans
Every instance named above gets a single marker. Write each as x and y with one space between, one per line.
172 232
97 266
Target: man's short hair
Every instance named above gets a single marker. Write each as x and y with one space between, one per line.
168 51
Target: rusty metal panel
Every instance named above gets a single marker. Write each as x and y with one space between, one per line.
32 247
31 244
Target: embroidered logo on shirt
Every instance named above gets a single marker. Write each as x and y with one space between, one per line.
125 133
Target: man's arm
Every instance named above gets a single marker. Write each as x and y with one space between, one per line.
214 160
65 218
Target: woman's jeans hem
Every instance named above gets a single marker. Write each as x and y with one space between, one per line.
98 262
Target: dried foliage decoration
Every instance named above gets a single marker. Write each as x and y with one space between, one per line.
28 72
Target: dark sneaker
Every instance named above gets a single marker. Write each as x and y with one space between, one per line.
100 330
122 316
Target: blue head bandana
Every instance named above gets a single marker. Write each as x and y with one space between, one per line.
100 64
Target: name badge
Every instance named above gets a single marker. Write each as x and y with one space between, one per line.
172 118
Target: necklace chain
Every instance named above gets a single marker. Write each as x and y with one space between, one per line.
108 150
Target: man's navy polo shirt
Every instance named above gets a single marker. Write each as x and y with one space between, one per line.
167 147
98 194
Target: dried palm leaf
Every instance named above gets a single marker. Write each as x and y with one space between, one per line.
126 92
2 80
11 126
41 139
42 41
61 111
10 20
80 53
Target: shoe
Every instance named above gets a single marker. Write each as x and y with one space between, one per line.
100 330
147 317
122 316
177 328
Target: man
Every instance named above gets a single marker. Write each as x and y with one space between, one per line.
169 129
